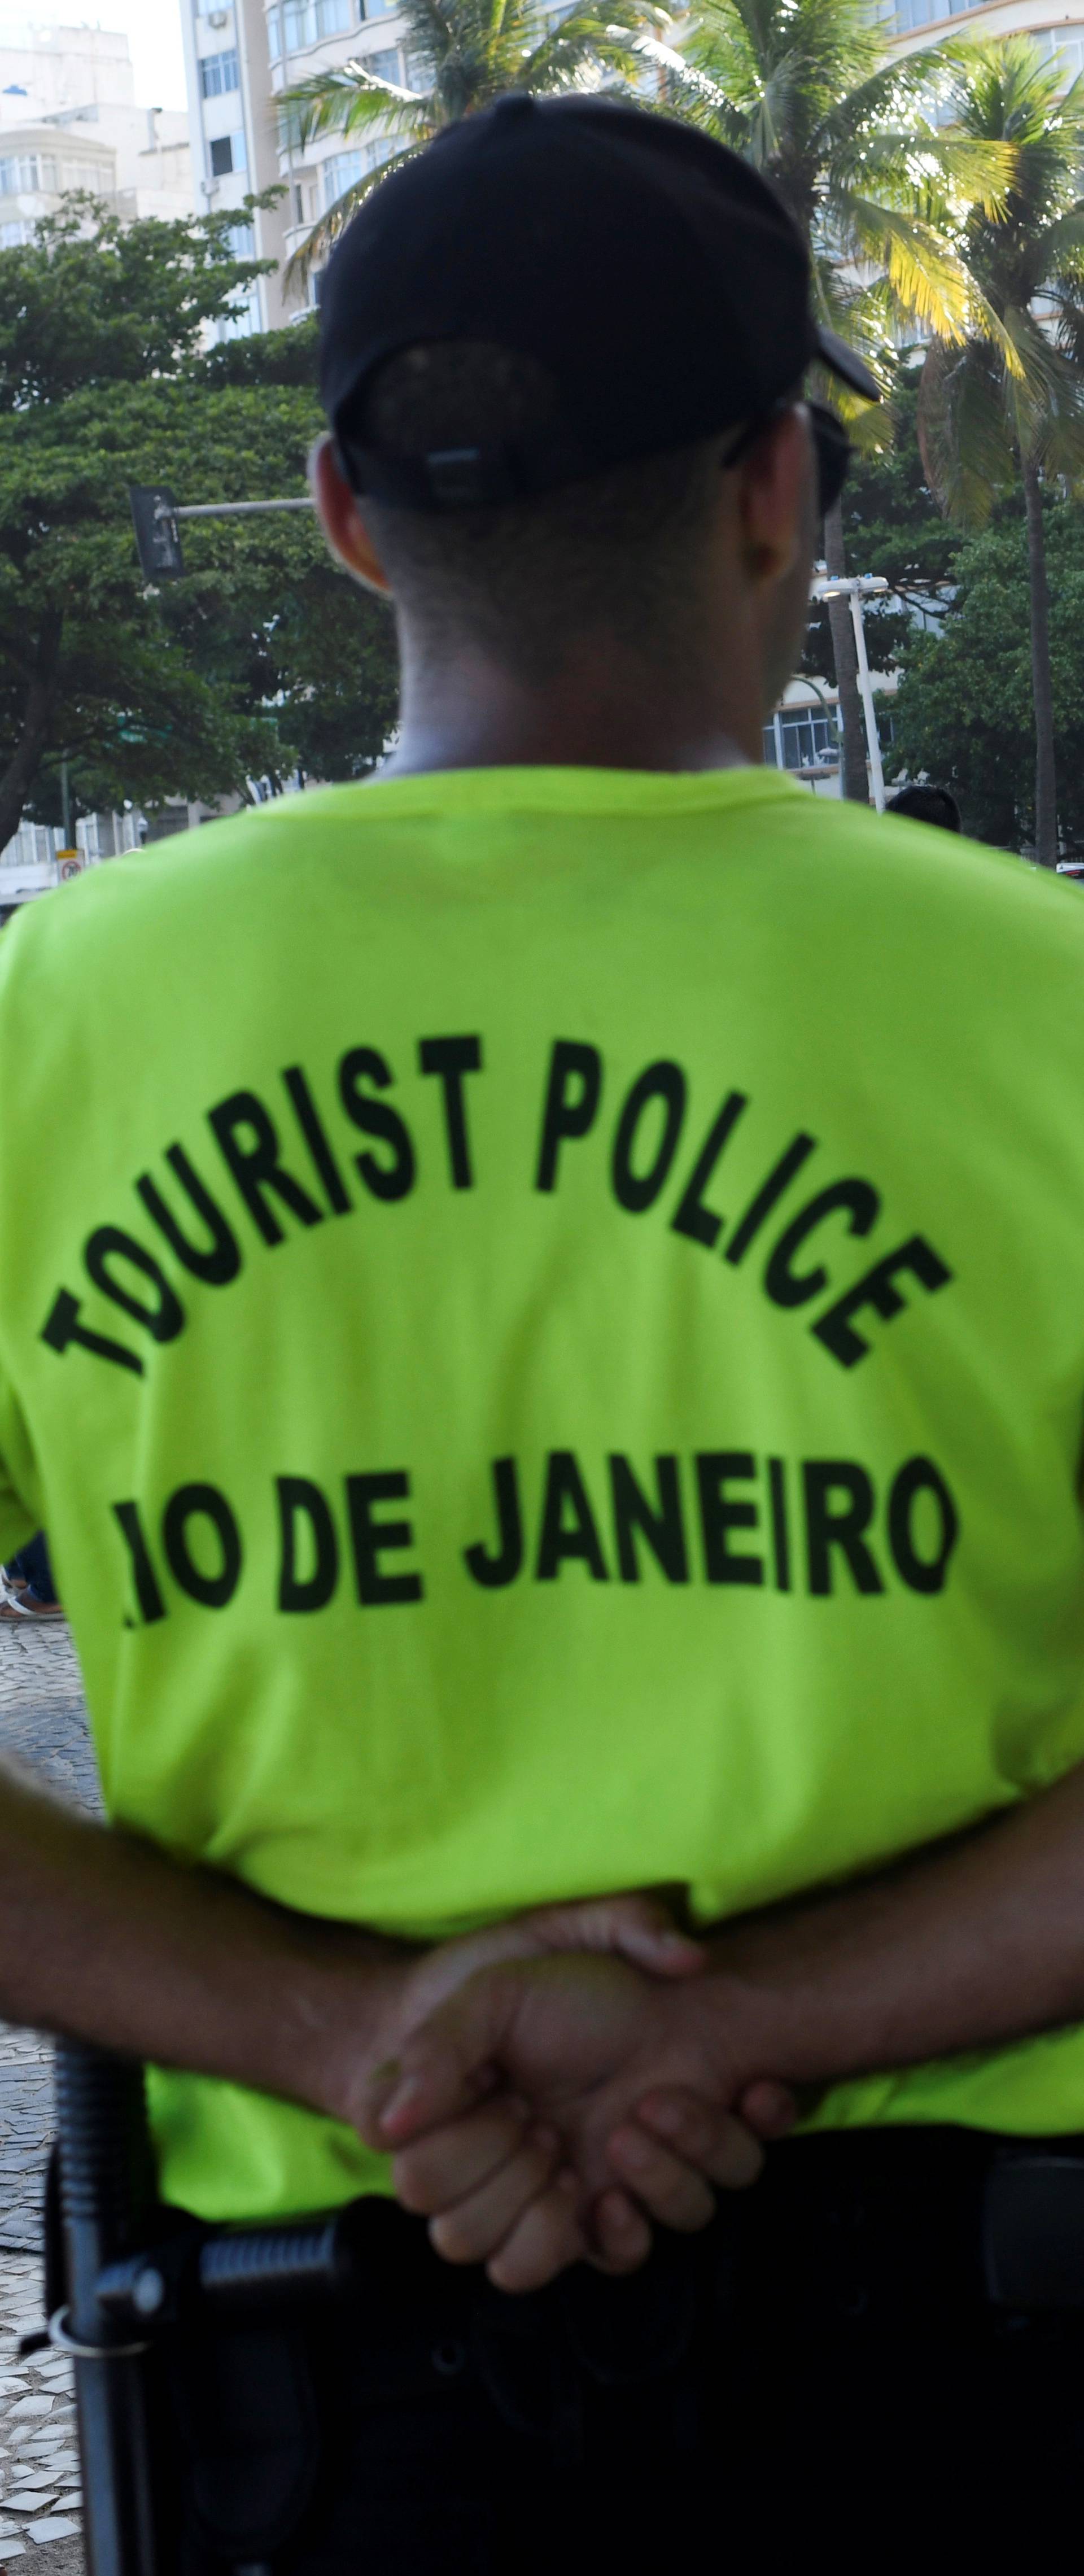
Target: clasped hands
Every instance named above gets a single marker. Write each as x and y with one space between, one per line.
561 2083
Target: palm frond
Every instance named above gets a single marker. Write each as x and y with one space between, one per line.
925 277
609 35
881 98
689 92
904 163
1062 252
348 101
963 433
431 30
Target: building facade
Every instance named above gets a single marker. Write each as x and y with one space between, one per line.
234 124
69 119
911 23
306 36
240 57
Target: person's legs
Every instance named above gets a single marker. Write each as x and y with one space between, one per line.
31 1590
36 1565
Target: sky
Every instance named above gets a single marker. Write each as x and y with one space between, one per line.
153 29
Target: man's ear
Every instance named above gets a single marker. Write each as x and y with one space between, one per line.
341 519
776 481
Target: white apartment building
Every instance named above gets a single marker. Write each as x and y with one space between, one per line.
69 119
234 135
240 56
910 23
305 36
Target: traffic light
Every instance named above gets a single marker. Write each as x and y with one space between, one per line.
156 531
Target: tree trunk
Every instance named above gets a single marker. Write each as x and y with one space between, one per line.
855 779
26 759
1046 785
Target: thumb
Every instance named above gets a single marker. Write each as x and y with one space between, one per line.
445 2066
634 1927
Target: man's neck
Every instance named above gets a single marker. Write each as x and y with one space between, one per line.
468 713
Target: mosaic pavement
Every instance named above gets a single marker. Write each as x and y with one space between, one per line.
43 1720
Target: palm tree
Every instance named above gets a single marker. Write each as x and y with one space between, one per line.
800 88
462 54
1009 400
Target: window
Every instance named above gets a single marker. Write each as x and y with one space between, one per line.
12 236
307 20
28 172
345 169
342 171
242 241
385 65
801 738
87 174
1056 45
379 8
921 13
274 36
218 73
228 153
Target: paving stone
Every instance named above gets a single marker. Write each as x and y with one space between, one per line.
52 2527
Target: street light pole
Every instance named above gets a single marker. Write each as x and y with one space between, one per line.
855 588
866 686
232 509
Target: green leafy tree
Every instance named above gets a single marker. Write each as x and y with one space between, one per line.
963 714
204 685
878 186
1009 400
462 54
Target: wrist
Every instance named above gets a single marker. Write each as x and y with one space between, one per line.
754 2028
344 2018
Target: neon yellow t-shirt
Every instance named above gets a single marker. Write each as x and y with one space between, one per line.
543 1313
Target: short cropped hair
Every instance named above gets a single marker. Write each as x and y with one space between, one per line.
927 805
620 550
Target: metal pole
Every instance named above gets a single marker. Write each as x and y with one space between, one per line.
106 2191
866 686
232 509
65 801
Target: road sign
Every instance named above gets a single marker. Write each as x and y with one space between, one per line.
154 509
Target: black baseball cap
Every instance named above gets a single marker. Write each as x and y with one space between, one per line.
656 276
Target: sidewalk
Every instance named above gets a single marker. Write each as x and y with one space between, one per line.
43 1719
